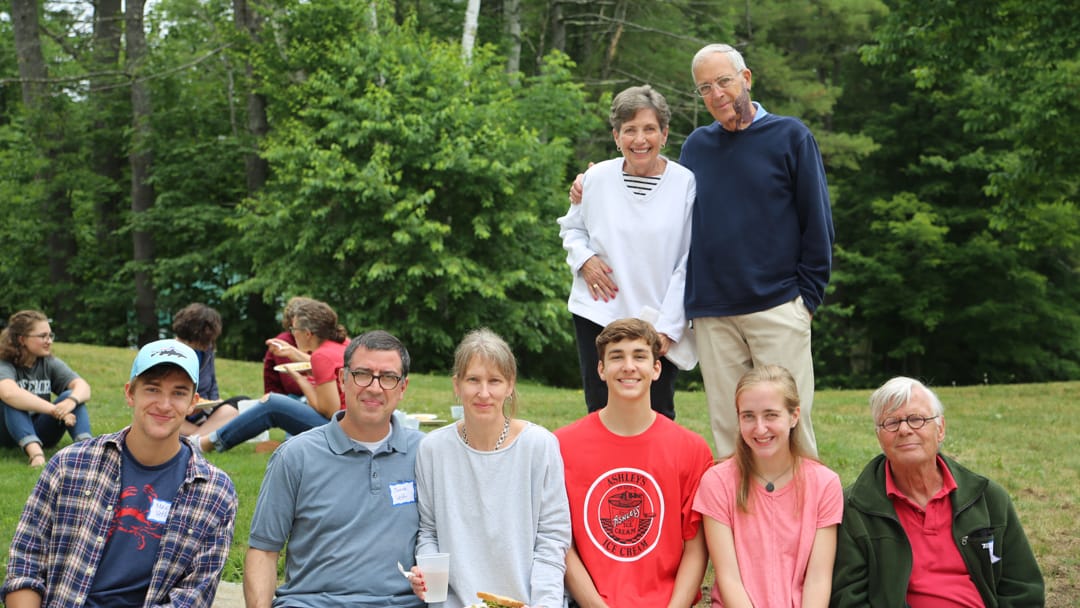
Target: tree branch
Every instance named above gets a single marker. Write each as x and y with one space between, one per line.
124 78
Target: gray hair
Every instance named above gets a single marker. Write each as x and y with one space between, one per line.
379 340
736 57
630 101
895 393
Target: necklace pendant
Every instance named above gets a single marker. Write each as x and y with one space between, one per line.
769 487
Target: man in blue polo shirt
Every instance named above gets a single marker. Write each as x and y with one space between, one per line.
342 497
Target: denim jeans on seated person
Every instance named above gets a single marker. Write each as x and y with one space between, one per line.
19 428
277 411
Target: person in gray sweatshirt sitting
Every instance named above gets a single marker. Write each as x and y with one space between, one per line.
491 489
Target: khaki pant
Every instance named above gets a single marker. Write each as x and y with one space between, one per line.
730 346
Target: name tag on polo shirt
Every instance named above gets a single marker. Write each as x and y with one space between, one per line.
403 493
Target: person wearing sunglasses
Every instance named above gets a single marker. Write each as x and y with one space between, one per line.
920 529
29 377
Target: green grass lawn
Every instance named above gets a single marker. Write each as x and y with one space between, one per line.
1019 435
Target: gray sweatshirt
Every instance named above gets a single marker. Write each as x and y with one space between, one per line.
502 516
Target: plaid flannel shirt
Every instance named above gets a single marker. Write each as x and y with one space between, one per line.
61 534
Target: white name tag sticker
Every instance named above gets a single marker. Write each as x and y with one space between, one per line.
159 511
403 493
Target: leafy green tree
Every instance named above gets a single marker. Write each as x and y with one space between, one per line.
412 191
972 178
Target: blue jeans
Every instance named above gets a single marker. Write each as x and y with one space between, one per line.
278 411
19 428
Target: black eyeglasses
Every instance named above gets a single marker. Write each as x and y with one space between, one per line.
50 336
363 378
913 421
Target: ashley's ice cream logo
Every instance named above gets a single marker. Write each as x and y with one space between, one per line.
623 511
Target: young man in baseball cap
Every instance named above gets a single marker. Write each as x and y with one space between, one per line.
131 518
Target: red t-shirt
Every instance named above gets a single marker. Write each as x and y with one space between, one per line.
939 576
273 380
326 360
631 504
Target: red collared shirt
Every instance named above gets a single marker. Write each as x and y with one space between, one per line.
939 576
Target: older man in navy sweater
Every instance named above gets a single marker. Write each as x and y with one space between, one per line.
761 242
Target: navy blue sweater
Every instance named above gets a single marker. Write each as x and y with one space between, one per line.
762 229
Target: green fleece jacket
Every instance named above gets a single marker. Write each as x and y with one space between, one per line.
873 556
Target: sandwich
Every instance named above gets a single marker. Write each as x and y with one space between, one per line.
490 600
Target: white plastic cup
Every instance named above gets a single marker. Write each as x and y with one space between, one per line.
436 570
244 404
457 412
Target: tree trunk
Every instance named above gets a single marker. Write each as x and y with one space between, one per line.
106 157
249 22
256 169
558 27
32 71
141 159
468 34
613 44
47 128
512 14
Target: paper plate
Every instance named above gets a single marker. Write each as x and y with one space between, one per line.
300 366
207 404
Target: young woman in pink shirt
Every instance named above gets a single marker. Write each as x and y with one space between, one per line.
771 511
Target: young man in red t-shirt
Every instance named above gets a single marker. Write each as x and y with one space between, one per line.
631 477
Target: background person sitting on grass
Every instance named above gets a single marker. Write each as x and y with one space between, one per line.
29 376
199 326
315 326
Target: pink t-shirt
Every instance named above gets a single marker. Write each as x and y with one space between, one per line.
773 541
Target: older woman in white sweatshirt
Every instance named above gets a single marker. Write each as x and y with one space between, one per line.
628 241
